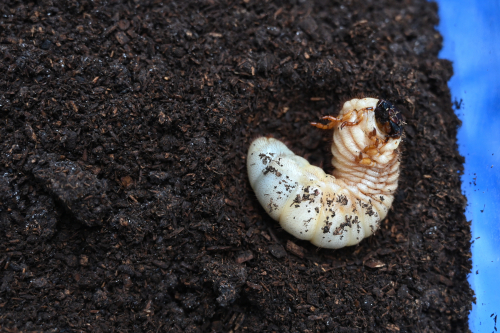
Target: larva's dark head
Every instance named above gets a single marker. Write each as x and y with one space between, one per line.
389 119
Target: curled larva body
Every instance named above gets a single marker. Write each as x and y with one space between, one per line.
333 211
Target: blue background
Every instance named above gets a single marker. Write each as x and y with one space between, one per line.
471 32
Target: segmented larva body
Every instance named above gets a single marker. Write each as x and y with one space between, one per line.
333 211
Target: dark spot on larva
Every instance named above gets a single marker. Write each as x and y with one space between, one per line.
340 229
327 226
297 200
317 210
382 198
265 159
369 211
349 222
272 170
272 206
342 199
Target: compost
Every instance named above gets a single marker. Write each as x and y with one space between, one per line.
125 204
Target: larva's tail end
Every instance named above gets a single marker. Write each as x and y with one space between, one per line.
268 145
261 152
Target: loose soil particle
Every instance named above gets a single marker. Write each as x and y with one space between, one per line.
124 199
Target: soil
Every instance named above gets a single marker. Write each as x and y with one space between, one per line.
124 199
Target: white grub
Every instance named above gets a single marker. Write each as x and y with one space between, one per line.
333 211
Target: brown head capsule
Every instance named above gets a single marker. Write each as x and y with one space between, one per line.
389 119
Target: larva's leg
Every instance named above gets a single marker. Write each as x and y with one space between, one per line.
334 121
371 150
363 160
366 161
352 123
324 127
372 135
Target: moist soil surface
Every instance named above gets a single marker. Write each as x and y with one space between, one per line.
124 199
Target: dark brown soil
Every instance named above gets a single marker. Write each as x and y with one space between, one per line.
124 199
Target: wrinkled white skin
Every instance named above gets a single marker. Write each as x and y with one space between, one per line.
331 211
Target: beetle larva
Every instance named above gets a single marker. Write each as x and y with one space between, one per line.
333 211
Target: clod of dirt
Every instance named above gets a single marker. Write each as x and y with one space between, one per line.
227 281
80 191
